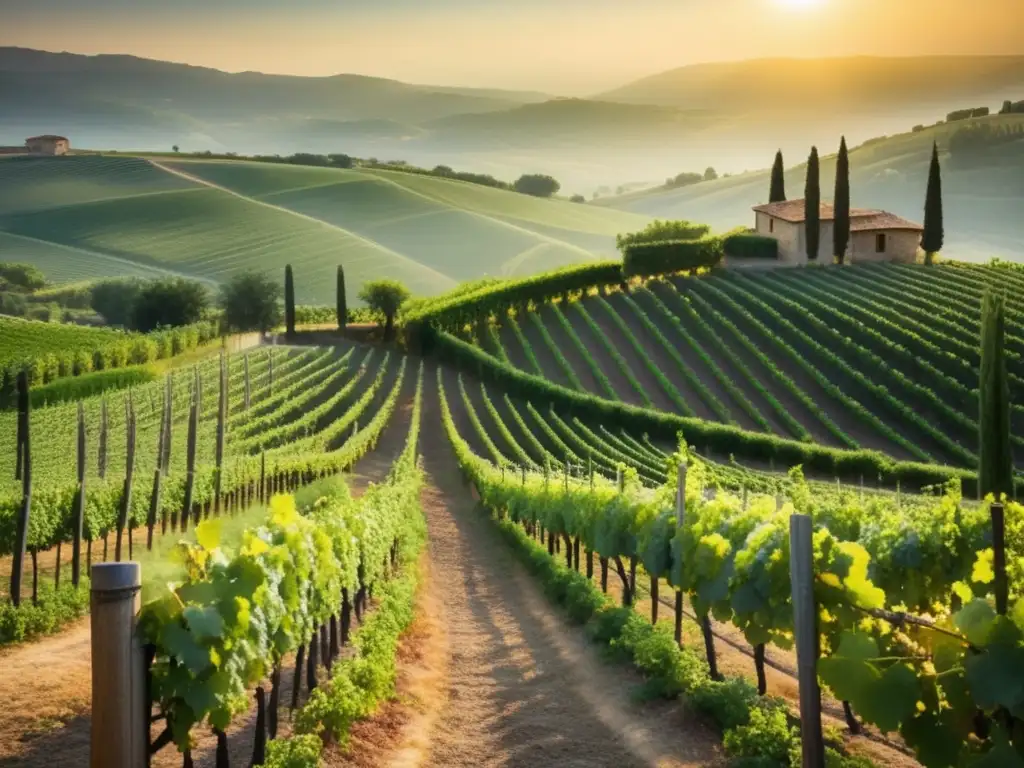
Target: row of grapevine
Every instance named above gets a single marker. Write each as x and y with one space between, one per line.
292 587
729 557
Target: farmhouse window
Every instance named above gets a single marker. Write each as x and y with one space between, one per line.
880 243
771 225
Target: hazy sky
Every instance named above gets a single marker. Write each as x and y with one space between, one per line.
566 46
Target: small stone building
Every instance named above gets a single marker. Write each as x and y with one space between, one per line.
47 145
874 235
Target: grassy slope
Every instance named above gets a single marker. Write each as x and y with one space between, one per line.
27 337
980 203
86 216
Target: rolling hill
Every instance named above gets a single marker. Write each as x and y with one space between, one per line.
96 216
982 194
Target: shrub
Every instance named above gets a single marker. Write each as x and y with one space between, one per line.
294 752
642 259
385 297
20 277
750 245
659 231
536 184
115 300
577 199
169 302
251 302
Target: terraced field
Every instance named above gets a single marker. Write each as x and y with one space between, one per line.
96 216
883 357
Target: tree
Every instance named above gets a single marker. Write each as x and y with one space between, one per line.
342 302
341 160
777 193
289 301
812 206
167 302
841 203
995 461
536 184
931 239
114 300
175 148
710 174
251 302
386 298
23 278
578 199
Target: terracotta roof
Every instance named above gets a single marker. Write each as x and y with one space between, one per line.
47 137
861 219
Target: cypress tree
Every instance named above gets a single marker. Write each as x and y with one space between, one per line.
342 303
841 203
812 206
931 239
777 193
995 468
289 301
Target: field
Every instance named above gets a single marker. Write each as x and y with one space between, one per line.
887 173
877 357
95 216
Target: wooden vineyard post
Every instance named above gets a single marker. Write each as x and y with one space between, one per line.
154 498
119 736
101 461
680 518
805 631
190 458
21 539
222 407
79 518
1000 584
129 475
245 360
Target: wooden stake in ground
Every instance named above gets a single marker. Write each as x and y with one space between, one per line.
154 498
680 519
222 409
21 536
101 460
79 518
129 475
190 467
805 632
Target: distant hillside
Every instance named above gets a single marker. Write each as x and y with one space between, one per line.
982 191
802 85
94 216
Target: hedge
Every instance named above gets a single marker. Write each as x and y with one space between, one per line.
647 259
723 439
750 245
454 310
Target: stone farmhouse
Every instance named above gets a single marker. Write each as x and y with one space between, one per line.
874 235
47 145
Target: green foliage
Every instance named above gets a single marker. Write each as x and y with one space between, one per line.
536 184
666 257
115 300
301 751
169 302
747 244
812 206
660 231
934 233
289 300
841 202
20 277
777 191
341 300
89 384
54 609
385 297
251 301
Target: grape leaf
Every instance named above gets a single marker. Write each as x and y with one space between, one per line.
983 572
204 622
892 699
208 534
996 677
850 679
932 739
180 643
975 620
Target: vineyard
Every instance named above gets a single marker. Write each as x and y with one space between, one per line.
762 490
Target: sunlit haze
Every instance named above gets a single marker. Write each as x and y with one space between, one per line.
572 47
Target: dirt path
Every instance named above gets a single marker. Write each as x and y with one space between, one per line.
524 688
